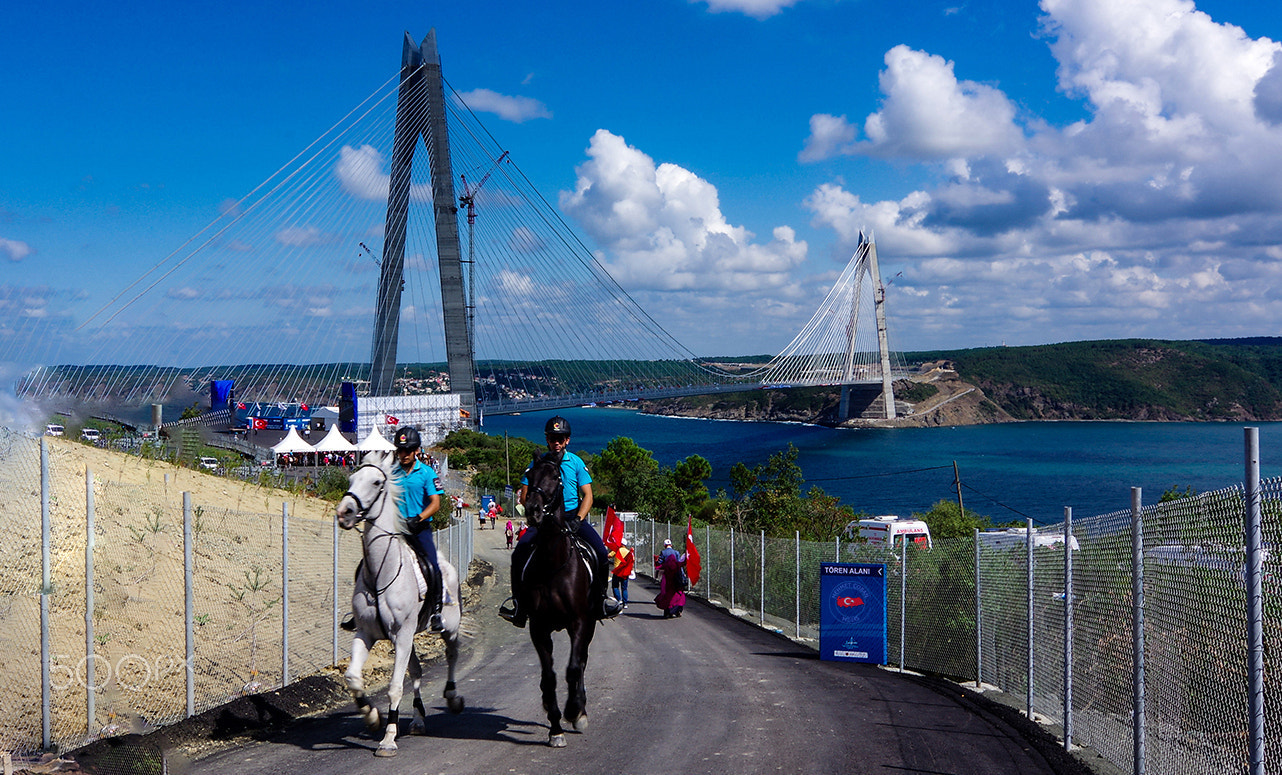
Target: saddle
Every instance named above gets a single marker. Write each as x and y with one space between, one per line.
587 556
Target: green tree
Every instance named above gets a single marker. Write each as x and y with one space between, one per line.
191 411
689 476
626 475
946 520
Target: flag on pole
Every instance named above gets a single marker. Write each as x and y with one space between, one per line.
693 563
613 537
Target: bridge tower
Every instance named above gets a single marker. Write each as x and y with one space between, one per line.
420 112
866 254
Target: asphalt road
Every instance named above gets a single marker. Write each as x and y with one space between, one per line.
705 693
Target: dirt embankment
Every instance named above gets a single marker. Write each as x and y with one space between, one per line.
951 402
935 397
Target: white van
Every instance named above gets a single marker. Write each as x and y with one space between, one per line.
92 435
209 463
54 430
891 531
1017 538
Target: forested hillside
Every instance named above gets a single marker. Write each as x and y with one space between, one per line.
1132 379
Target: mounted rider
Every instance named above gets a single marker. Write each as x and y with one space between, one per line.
576 485
418 502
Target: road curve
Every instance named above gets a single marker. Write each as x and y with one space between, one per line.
706 693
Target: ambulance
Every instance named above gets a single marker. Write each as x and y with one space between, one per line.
891 531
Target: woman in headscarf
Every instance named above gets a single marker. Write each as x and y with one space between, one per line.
671 567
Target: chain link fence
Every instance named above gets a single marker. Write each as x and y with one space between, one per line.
113 643
994 608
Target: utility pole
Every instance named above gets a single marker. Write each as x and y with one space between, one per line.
957 483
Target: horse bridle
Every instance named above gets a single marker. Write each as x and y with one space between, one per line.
549 504
362 511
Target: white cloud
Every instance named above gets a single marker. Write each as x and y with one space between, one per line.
662 227
14 250
362 173
515 109
1155 216
301 236
927 114
757 9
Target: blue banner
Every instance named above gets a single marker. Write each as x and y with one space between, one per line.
852 616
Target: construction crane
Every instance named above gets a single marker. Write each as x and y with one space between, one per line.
468 200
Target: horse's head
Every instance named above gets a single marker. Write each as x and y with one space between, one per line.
544 499
366 487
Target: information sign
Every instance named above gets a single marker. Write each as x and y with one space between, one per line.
852 619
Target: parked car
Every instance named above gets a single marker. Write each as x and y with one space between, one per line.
92 435
54 430
209 463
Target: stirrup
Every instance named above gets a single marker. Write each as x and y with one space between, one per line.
610 607
512 613
349 622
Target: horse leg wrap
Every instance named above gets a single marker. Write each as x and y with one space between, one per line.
449 689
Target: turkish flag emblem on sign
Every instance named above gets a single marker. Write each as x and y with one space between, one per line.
260 424
392 420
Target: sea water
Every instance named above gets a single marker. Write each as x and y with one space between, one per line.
1008 471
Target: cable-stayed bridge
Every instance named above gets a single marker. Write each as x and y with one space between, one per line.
407 219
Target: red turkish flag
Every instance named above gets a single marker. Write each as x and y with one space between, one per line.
260 424
693 563
392 420
613 536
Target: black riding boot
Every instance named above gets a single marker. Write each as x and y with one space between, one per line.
514 613
609 607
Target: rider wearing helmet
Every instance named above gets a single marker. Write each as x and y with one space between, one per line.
576 485
418 501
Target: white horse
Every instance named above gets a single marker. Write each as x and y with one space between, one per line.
386 600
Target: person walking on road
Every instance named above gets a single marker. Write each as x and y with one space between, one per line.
672 583
624 563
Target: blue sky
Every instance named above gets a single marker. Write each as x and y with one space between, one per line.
1074 169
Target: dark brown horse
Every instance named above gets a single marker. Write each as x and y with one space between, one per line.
557 594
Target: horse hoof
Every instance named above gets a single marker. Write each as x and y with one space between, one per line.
385 752
418 727
580 724
372 721
455 704
556 741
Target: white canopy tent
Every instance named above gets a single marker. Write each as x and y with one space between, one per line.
334 442
375 442
292 444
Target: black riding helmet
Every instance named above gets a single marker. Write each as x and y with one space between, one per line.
557 426
407 438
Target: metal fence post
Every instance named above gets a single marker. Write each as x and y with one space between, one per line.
1068 628
89 605
979 620
334 656
707 574
1137 617
763 578
838 557
1028 538
1254 603
796 586
189 605
732 569
46 712
284 594
903 601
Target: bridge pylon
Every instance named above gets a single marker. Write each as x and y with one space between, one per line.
420 112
